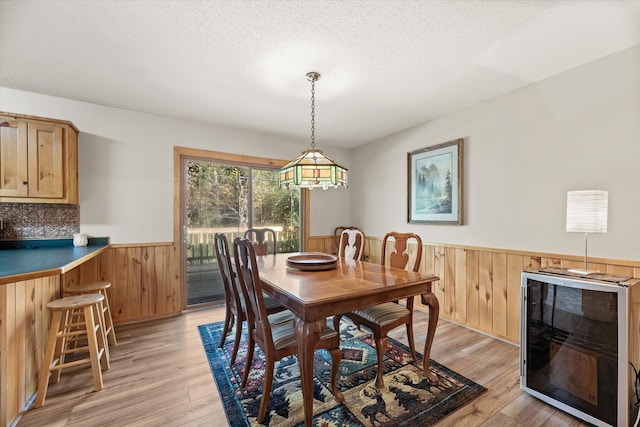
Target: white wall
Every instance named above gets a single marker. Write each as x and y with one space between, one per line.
523 152
126 165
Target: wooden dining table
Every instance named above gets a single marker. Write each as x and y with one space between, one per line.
315 295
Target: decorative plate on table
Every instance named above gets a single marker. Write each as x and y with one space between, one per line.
312 262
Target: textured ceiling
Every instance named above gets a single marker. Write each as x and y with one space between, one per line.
385 65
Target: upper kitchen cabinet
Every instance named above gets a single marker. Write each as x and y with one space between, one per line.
38 160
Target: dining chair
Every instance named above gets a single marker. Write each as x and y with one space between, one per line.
351 244
337 233
275 340
382 318
261 238
235 305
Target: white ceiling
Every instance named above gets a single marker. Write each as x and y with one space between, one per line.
385 65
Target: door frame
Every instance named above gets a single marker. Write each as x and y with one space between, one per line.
186 153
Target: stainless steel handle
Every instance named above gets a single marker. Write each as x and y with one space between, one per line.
523 327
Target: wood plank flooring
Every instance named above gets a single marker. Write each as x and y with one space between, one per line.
159 376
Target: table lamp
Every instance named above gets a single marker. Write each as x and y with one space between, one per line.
587 213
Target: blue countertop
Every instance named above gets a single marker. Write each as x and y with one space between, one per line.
22 259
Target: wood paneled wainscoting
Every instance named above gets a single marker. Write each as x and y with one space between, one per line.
145 280
480 287
24 325
145 284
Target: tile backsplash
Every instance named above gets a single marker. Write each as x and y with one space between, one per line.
38 221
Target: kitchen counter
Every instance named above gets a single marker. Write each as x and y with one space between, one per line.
28 259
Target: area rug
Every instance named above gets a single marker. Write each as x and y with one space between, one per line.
407 399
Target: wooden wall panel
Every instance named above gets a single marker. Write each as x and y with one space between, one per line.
174 286
480 287
485 291
20 340
9 374
4 352
148 290
145 280
460 300
24 322
326 244
438 270
515 266
448 283
473 288
500 301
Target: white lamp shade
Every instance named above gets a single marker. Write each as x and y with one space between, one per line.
587 211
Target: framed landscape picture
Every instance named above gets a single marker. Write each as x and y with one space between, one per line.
435 184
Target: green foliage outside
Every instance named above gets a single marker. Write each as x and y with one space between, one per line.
218 197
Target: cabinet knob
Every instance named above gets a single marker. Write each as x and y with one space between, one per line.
24 182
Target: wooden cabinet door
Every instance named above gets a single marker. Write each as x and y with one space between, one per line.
13 158
47 153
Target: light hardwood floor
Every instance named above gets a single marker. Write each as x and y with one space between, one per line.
159 376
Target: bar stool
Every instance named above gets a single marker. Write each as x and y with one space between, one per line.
98 288
63 327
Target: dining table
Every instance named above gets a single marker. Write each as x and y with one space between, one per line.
315 292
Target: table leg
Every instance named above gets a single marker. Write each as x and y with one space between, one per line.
431 301
307 335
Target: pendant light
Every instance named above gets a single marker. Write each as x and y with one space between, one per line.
312 169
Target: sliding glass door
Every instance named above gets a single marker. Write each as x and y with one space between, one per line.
223 197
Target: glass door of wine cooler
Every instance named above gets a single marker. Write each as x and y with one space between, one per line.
573 333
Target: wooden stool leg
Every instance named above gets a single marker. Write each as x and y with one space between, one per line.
43 382
60 344
109 331
94 353
101 338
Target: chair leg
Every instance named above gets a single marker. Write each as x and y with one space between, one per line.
381 346
266 390
336 358
336 323
228 320
247 363
236 343
412 345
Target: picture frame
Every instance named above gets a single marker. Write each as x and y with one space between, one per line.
435 184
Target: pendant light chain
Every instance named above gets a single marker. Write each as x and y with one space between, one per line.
313 112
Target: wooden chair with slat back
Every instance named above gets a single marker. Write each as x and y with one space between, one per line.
351 244
382 318
260 239
264 331
337 233
235 303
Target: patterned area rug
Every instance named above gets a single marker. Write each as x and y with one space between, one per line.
407 399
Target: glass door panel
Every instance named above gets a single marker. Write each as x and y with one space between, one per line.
224 198
276 208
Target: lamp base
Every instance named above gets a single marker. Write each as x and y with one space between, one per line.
582 272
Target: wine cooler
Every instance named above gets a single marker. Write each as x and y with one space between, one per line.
579 344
